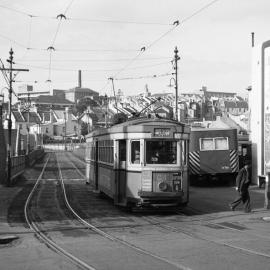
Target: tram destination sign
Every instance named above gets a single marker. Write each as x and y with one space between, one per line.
162 132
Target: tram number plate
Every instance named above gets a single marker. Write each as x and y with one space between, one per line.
162 132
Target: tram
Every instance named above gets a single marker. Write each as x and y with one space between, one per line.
141 162
213 154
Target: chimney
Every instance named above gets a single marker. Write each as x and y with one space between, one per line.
252 39
80 79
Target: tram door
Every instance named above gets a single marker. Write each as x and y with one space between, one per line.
120 173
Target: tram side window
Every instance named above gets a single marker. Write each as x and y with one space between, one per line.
105 149
122 150
135 152
184 152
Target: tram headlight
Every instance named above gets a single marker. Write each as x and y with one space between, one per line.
162 186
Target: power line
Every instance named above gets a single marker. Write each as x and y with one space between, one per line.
144 77
84 19
95 60
93 70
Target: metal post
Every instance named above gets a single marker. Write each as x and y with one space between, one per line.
65 115
28 122
10 61
10 80
176 58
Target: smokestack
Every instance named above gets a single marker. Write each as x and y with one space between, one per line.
252 39
80 79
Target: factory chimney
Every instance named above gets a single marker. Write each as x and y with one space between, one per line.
80 79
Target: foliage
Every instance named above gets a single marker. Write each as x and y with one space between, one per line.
119 118
83 103
84 128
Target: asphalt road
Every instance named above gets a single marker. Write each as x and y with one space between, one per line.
204 235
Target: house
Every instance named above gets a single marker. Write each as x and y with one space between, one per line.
60 124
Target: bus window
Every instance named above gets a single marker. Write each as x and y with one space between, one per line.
161 152
221 143
206 144
135 152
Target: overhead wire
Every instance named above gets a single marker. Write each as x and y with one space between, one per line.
51 48
175 25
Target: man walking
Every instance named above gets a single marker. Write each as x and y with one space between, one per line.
242 185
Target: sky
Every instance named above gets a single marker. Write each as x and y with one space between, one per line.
105 39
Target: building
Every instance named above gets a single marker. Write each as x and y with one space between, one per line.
259 100
46 102
79 92
60 124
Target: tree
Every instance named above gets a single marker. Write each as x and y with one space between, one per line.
119 118
84 128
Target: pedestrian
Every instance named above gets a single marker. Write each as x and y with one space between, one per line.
242 185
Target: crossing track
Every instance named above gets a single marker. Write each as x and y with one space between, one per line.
68 166
44 234
178 228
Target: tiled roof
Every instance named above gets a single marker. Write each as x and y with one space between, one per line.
236 104
51 100
18 117
33 117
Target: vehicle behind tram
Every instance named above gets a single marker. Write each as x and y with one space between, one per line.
142 162
213 154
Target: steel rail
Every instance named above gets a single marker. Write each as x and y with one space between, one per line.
156 222
42 236
113 238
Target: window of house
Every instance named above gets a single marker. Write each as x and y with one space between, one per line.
47 130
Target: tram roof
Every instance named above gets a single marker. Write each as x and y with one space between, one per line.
137 124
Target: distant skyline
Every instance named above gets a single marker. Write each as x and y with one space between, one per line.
105 39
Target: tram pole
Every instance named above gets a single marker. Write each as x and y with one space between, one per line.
10 90
176 58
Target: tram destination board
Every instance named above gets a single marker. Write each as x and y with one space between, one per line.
162 132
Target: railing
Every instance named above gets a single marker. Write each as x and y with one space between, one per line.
17 166
19 163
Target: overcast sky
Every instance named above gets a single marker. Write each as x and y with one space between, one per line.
104 38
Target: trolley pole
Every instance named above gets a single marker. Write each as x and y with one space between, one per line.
114 93
10 90
176 58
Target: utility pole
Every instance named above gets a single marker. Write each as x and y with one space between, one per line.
28 122
10 90
176 58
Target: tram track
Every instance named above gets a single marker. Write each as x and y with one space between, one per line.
156 222
113 238
43 233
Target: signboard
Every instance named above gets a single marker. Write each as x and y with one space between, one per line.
161 132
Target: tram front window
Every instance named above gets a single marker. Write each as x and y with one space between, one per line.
161 152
